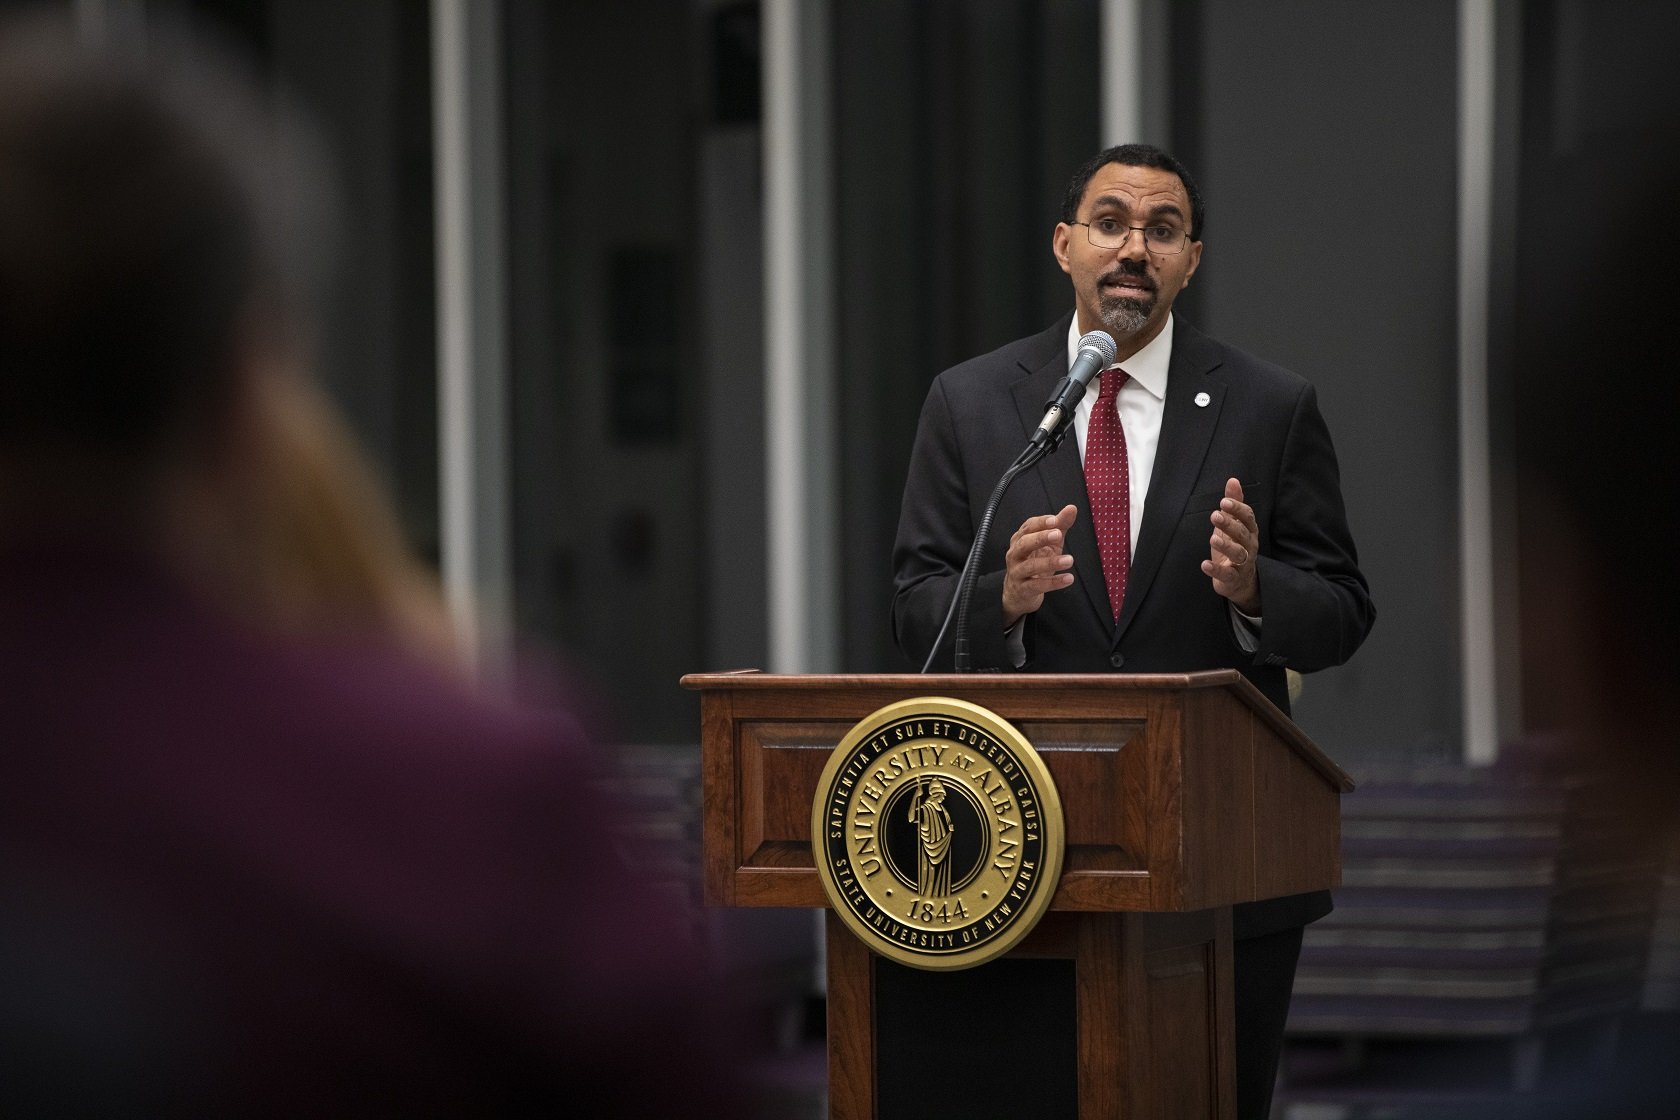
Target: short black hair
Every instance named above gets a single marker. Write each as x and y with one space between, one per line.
1134 155
147 202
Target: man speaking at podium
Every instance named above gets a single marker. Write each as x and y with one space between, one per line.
1195 521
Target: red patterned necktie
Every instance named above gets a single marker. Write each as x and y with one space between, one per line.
1108 485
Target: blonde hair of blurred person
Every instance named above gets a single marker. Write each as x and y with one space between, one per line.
299 534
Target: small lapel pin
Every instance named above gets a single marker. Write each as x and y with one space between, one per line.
1202 400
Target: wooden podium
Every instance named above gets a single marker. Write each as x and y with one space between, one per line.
1182 794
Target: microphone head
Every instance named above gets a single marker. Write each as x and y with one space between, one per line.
1101 342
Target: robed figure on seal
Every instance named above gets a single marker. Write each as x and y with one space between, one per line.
933 822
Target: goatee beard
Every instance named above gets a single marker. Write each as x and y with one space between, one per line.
1125 316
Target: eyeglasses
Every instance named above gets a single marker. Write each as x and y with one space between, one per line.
1112 233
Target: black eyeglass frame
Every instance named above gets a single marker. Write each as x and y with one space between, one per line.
1183 237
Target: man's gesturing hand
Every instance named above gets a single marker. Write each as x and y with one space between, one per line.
1232 550
1036 564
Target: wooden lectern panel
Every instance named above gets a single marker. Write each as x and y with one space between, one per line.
1180 792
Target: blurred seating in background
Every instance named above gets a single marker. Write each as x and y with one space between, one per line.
1507 911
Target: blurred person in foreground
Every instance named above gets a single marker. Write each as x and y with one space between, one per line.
262 850
1599 451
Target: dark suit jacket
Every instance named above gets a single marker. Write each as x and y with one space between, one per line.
1260 424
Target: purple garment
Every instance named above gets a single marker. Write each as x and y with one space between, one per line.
251 875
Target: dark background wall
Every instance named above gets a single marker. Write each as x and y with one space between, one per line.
1329 160
956 127
605 211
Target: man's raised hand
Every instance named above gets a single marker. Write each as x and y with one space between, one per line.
1035 564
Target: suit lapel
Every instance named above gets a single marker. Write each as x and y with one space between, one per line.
1059 473
1186 431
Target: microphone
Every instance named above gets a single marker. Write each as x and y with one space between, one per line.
1096 351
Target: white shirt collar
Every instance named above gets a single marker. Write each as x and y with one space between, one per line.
1148 367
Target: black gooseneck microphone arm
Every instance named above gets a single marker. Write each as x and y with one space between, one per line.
971 568
970 574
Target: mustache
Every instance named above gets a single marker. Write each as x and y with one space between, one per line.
1132 272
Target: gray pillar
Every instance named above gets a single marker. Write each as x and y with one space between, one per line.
472 344
801 419
1476 55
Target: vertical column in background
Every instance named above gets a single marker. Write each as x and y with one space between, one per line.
1476 56
1122 79
472 347
1136 73
801 462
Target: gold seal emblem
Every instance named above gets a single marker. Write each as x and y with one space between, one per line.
937 833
